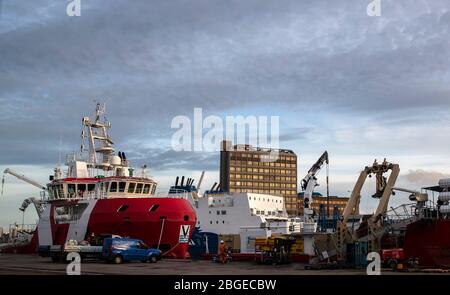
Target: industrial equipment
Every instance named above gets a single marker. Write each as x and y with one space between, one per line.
22 177
273 250
384 189
309 182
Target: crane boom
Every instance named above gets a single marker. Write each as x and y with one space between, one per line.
23 178
310 182
384 188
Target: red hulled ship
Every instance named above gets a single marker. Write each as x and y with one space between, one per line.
100 194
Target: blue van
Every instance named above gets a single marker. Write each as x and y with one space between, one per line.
119 250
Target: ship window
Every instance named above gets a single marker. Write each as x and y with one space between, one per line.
224 212
210 222
217 221
122 208
122 186
60 191
55 192
146 188
153 208
50 193
218 212
186 218
81 187
153 189
113 187
138 188
223 221
71 189
91 187
131 187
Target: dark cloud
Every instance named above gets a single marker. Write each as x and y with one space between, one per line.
152 60
167 159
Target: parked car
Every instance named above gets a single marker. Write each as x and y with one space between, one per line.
119 250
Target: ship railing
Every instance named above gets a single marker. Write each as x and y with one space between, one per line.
92 195
22 227
178 194
404 213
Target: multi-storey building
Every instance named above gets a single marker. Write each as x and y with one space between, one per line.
244 168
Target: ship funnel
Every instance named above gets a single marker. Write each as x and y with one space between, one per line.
176 180
182 181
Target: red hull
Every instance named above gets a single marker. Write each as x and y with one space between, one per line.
429 240
159 227
138 222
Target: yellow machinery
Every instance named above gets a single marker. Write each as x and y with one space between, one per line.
277 249
383 192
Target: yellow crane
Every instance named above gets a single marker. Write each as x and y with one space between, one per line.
384 188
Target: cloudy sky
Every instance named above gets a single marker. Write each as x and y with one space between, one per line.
360 87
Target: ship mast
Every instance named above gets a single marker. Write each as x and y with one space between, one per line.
99 140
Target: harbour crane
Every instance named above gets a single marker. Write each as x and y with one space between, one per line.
38 204
309 182
23 178
384 190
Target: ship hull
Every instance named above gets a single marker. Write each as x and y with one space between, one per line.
429 241
168 227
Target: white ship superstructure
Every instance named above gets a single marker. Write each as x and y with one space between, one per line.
230 213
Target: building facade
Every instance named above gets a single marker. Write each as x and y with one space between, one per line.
318 199
244 168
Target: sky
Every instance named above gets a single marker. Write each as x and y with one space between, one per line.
357 86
